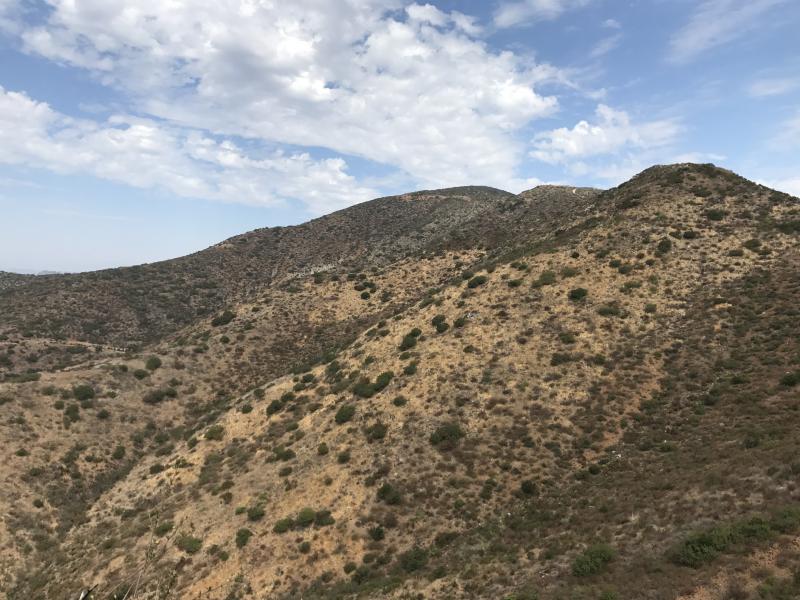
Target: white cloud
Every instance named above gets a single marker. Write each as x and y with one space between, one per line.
145 154
787 136
774 86
715 23
416 90
790 185
612 24
605 46
612 132
520 12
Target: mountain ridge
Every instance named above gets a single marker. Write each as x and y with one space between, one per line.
565 402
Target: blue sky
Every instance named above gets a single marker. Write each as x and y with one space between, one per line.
136 131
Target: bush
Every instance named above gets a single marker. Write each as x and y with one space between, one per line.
83 392
215 432
408 342
578 294
164 528
476 281
223 319
376 432
414 559
593 560
546 278
255 513
283 525
153 363
242 537
189 544
389 494
664 246
274 407
791 379
156 396
305 517
446 436
345 413
609 310
140 374
560 358
715 214
119 453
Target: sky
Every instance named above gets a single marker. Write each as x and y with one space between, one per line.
138 130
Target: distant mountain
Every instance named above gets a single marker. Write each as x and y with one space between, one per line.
453 394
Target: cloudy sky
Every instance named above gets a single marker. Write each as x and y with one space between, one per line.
136 130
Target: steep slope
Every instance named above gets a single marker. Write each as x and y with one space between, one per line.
557 418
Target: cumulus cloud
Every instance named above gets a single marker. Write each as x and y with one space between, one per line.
612 132
521 12
715 23
146 154
409 86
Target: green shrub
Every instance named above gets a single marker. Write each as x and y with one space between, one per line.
446 436
791 379
119 453
560 358
274 407
83 392
345 414
609 310
72 413
664 246
242 537
343 457
223 319
715 214
189 544
476 281
376 431
593 560
578 294
389 494
305 517
153 363
255 513
164 528
408 342
414 559
283 525
324 518
322 449
156 396
140 374
215 432
546 278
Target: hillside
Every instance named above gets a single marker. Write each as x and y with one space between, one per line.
564 394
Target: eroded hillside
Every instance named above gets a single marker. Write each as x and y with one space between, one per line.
598 401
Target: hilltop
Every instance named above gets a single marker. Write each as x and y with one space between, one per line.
465 393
